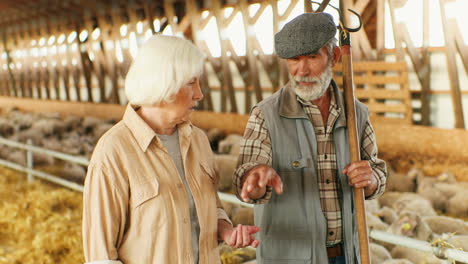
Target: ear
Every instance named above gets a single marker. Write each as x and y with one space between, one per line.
336 55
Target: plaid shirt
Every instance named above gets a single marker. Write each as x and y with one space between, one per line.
256 149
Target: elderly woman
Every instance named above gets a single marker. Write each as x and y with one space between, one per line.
150 195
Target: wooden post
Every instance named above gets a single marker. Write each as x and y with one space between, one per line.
13 91
194 14
419 60
226 85
380 41
452 69
424 74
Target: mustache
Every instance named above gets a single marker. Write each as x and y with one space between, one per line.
305 79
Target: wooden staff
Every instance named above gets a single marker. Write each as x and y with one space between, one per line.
348 86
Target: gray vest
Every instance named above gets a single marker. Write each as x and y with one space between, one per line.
292 226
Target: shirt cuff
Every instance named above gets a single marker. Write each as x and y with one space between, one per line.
244 168
221 214
380 185
105 262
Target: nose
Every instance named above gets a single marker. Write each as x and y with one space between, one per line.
302 69
197 92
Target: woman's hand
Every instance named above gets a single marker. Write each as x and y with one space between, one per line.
241 236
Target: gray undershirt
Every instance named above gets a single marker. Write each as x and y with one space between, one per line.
171 142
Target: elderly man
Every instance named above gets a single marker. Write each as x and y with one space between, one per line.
296 142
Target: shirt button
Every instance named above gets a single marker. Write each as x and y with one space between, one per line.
331 233
327 181
325 157
185 220
295 164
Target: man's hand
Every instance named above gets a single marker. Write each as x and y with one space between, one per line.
241 236
256 180
360 175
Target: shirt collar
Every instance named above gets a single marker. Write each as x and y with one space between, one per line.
142 132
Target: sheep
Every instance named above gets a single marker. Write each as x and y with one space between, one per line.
215 135
448 189
230 145
100 129
7 128
374 222
89 123
402 183
23 121
72 122
419 205
73 172
35 135
387 214
437 198
378 253
397 261
226 165
389 198
444 224
17 156
372 206
458 204
49 126
415 256
411 225
229 208
243 215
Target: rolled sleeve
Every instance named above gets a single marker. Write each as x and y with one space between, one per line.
255 150
369 152
105 202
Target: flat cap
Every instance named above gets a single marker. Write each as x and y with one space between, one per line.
305 34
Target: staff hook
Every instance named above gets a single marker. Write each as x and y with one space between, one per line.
341 26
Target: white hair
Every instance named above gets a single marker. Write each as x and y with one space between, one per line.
331 45
163 65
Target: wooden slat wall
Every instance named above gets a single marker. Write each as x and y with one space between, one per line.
383 87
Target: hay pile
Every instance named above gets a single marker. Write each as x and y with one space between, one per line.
39 223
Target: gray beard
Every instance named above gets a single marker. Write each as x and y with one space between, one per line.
315 91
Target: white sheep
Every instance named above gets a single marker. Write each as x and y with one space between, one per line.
378 253
444 224
374 222
397 261
415 256
458 204
226 165
230 145
387 214
411 225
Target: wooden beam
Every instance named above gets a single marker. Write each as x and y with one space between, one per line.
452 69
193 13
228 88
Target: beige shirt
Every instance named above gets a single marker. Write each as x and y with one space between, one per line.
135 207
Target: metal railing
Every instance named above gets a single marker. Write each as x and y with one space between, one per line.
441 252
31 172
